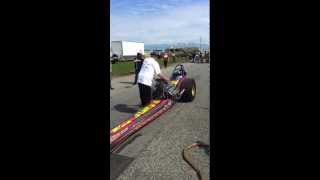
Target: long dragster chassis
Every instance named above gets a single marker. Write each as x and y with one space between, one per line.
143 117
180 89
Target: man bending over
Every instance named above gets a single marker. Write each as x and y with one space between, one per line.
149 70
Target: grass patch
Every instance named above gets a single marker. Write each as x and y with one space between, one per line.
122 68
126 68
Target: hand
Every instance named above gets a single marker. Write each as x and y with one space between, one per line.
165 80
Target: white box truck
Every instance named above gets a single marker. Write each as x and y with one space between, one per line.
125 50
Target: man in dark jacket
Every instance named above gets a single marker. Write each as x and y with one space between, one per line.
137 66
110 74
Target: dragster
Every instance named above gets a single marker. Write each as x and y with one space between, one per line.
165 95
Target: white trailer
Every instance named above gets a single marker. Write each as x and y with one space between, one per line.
126 50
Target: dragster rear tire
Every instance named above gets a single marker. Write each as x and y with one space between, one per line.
190 90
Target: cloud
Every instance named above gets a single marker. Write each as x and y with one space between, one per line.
154 22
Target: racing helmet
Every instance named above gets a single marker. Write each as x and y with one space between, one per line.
178 71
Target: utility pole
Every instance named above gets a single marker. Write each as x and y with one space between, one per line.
200 44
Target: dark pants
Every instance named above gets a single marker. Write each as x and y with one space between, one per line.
137 67
135 78
165 62
145 94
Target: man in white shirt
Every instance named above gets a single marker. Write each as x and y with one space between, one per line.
150 69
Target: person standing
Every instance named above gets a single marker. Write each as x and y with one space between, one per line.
165 60
173 57
137 66
197 57
150 69
110 74
193 56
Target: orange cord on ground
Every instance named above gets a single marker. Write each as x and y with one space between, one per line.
187 158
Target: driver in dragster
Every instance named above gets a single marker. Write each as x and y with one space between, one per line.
149 70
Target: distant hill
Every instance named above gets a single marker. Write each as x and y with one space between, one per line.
178 45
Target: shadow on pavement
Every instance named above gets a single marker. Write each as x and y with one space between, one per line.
125 108
118 164
207 150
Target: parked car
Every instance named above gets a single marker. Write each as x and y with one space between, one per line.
159 53
114 58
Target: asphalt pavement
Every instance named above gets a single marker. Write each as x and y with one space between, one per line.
156 149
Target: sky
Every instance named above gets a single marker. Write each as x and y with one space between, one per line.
160 21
